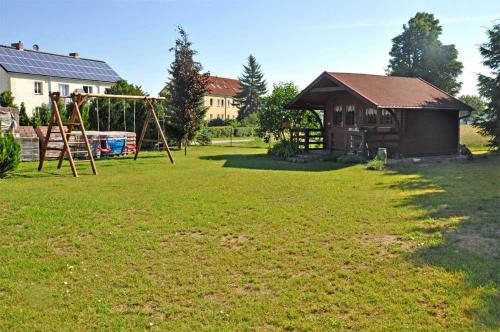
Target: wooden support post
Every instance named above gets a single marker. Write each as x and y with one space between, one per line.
306 140
152 114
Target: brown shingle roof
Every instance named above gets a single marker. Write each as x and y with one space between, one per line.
398 92
223 86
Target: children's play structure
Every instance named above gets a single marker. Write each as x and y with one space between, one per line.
95 142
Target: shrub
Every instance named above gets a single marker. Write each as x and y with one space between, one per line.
375 165
7 99
217 122
203 137
225 131
9 154
350 159
284 149
333 156
244 131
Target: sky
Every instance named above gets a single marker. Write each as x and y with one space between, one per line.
292 40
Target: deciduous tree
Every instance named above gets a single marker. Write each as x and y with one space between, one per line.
477 103
274 120
418 52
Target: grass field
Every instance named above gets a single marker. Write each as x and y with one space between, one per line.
229 239
471 137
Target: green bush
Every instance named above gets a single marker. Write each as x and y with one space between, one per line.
225 131
203 137
375 165
350 159
285 149
7 99
333 156
9 154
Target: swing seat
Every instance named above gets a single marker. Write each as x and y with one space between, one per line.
130 147
104 150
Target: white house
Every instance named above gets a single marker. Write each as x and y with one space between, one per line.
32 75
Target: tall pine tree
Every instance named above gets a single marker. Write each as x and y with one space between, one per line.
253 88
417 52
186 89
489 88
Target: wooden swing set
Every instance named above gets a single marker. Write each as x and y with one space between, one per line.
75 121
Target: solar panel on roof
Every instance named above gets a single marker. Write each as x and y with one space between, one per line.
27 62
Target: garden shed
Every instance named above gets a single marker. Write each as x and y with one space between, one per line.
363 112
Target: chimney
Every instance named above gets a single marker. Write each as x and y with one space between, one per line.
19 45
75 55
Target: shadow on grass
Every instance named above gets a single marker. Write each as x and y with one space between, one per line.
266 162
463 201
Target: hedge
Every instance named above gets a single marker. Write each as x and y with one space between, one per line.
226 131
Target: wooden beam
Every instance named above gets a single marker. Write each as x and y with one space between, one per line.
101 95
328 89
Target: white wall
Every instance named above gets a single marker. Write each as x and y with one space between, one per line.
4 80
23 88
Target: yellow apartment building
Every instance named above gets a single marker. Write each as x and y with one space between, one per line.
219 100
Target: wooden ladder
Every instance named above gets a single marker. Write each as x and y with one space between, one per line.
75 120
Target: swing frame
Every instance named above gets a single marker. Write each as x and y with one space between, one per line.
75 120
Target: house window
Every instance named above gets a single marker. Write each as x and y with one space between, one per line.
211 104
64 89
87 89
38 88
211 115
337 115
349 115
386 117
371 116
222 102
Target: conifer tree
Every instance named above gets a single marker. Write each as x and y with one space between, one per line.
489 88
24 119
253 88
186 89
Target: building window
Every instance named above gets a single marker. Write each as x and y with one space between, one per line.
386 117
371 116
64 89
38 88
349 115
211 104
337 115
211 116
222 102
87 89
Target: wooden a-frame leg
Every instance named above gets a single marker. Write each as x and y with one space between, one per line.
70 128
85 139
143 133
54 99
66 145
160 130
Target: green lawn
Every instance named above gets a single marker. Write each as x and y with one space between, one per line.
229 239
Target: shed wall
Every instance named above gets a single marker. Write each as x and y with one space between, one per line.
429 132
